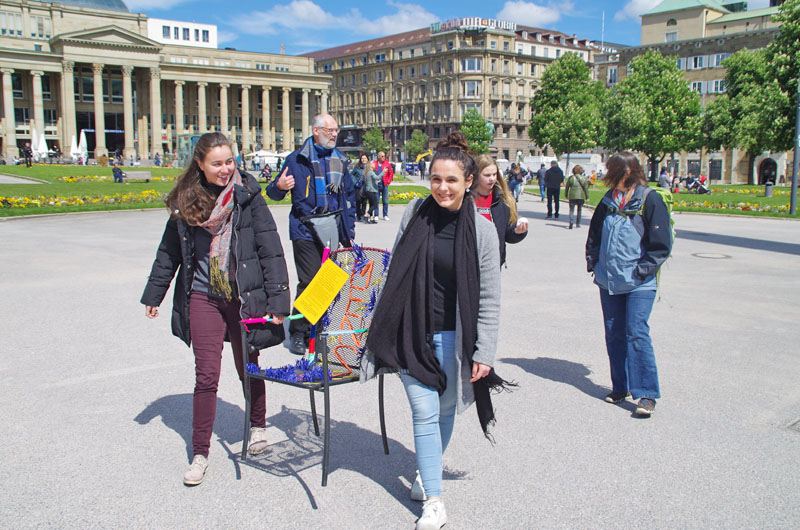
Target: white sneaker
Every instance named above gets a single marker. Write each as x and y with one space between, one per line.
258 440
196 472
433 515
417 491
385 217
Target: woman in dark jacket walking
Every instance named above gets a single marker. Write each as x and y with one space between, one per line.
495 202
222 241
630 236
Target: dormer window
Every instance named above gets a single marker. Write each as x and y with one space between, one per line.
672 22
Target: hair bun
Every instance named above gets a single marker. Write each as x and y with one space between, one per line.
454 140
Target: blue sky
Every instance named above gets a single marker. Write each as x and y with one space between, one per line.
309 25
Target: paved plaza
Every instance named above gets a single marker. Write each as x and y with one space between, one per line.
96 399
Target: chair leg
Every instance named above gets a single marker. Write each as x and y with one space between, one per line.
246 434
382 415
327 439
314 412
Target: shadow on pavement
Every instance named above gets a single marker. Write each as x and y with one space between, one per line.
352 447
561 371
737 241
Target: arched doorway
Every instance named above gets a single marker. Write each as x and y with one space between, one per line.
767 171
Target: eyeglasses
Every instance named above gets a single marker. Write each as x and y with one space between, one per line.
328 130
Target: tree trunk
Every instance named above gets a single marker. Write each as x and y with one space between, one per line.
751 169
566 168
653 167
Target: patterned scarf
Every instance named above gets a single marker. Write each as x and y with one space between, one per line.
335 173
220 225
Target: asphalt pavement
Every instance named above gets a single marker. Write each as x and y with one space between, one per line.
97 399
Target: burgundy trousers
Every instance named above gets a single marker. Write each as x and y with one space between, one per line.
209 319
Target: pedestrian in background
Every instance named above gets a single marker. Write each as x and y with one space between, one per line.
540 176
663 179
576 190
384 168
553 179
438 317
357 173
630 236
494 201
222 241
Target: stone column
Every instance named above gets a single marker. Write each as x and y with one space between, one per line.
68 106
223 107
305 121
99 113
38 107
179 126
202 109
246 117
155 110
127 111
324 102
10 140
288 133
265 118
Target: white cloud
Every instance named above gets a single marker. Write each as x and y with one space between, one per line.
307 15
634 9
224 37
530 14
140 6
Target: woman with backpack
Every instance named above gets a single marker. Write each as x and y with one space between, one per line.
577 192
630 236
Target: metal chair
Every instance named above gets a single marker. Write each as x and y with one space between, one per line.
341 336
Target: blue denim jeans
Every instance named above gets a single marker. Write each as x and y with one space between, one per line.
541 189
630 350
433 415
384 199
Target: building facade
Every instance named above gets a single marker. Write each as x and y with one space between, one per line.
428 78
700 34
67 68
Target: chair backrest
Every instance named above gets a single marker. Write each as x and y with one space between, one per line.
352 309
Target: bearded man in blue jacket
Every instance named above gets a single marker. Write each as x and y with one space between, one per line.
318 177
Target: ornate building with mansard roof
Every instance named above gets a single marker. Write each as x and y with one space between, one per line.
134 84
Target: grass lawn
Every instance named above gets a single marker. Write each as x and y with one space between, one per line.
95 193
725 199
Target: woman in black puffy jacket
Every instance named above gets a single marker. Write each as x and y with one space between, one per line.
222 241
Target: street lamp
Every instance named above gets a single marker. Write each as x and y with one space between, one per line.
405 137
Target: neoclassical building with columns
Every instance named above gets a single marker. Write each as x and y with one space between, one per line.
67 68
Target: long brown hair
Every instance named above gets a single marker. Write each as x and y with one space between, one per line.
189 199
484 161
624 168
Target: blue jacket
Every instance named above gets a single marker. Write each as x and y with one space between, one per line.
304 200
625 252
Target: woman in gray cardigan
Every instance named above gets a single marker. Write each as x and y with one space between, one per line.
437 319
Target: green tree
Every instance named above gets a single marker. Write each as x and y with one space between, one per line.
418 143
473 125
373 141
751 114
567 107
653 111
783 59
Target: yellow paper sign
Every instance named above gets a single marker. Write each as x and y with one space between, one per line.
320 293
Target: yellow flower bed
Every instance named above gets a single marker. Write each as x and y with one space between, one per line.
739 206
748 191
405 196
147 196
104 178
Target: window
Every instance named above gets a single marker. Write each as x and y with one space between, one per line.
412 52
16 86
717 86
399 73
424 69
186 34
87 89
506 89
505 45
472 64
380 76
436 90
558 53
196 37
470 106
11 24
493 44
436 130
380 57
423 91
205 35
450 65
715 61
533 69
697 62
533 50
165 32
671 36
352 79
46 92
493 65
411 72
22 115
681 63
326 67
519 68
40 27
177 32
204 61
506 67
611 77
449 45
363 79
519 50
698 86
116 91
545 52
437 67
364 60
672 22
50 117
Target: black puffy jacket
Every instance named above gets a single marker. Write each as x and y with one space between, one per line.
261 276
500 217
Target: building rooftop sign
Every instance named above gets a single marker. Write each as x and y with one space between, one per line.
472 23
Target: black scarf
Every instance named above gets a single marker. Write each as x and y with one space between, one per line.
403 337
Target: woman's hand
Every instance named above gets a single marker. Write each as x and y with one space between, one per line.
522 226
479 370
150 311
275 319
